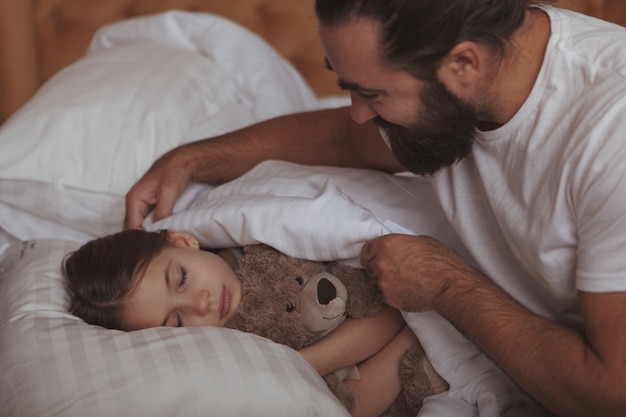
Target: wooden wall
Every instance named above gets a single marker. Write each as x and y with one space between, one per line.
39 37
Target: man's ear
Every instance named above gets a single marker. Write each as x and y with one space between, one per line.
182 239
462 67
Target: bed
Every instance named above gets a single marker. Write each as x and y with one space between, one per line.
138 78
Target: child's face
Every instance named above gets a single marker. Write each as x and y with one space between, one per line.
184 286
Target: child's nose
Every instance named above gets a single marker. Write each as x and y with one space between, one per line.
200 302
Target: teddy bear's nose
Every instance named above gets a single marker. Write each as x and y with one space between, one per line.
326 291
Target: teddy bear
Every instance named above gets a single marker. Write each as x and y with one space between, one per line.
296 302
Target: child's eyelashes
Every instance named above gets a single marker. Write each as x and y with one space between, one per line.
183 276
183 280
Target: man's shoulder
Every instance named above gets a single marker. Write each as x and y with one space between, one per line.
588 38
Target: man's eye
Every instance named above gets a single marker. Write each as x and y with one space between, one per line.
179 320
183 276
368 96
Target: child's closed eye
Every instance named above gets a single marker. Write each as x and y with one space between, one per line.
183 276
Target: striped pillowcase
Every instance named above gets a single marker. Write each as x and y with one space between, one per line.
54 364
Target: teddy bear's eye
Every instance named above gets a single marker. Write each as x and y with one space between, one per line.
290 308
299 280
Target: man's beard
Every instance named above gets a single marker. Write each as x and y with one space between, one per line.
443 134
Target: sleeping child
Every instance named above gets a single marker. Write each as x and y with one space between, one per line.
136 279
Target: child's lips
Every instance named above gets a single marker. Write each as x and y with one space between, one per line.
224 302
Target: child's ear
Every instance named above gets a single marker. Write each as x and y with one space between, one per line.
182 239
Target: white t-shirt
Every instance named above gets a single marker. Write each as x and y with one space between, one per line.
541 201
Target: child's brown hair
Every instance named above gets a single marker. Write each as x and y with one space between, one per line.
102 274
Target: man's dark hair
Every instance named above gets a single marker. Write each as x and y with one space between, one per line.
417 34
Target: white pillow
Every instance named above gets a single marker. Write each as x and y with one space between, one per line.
146 86
267 84
54 364
100 123
96 127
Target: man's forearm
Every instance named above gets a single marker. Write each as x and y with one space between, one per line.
292 138
325 137
553 363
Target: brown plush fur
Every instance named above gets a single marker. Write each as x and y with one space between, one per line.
296 302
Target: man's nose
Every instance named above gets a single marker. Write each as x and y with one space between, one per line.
360 110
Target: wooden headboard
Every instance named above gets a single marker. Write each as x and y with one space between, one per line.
39 37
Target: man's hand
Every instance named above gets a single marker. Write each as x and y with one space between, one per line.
412 271
158 189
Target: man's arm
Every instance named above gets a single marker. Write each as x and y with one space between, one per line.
325 137
572 373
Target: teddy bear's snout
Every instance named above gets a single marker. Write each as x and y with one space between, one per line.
326 291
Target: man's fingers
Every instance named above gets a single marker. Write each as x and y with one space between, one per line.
136 212
135 217
166 198
138 206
